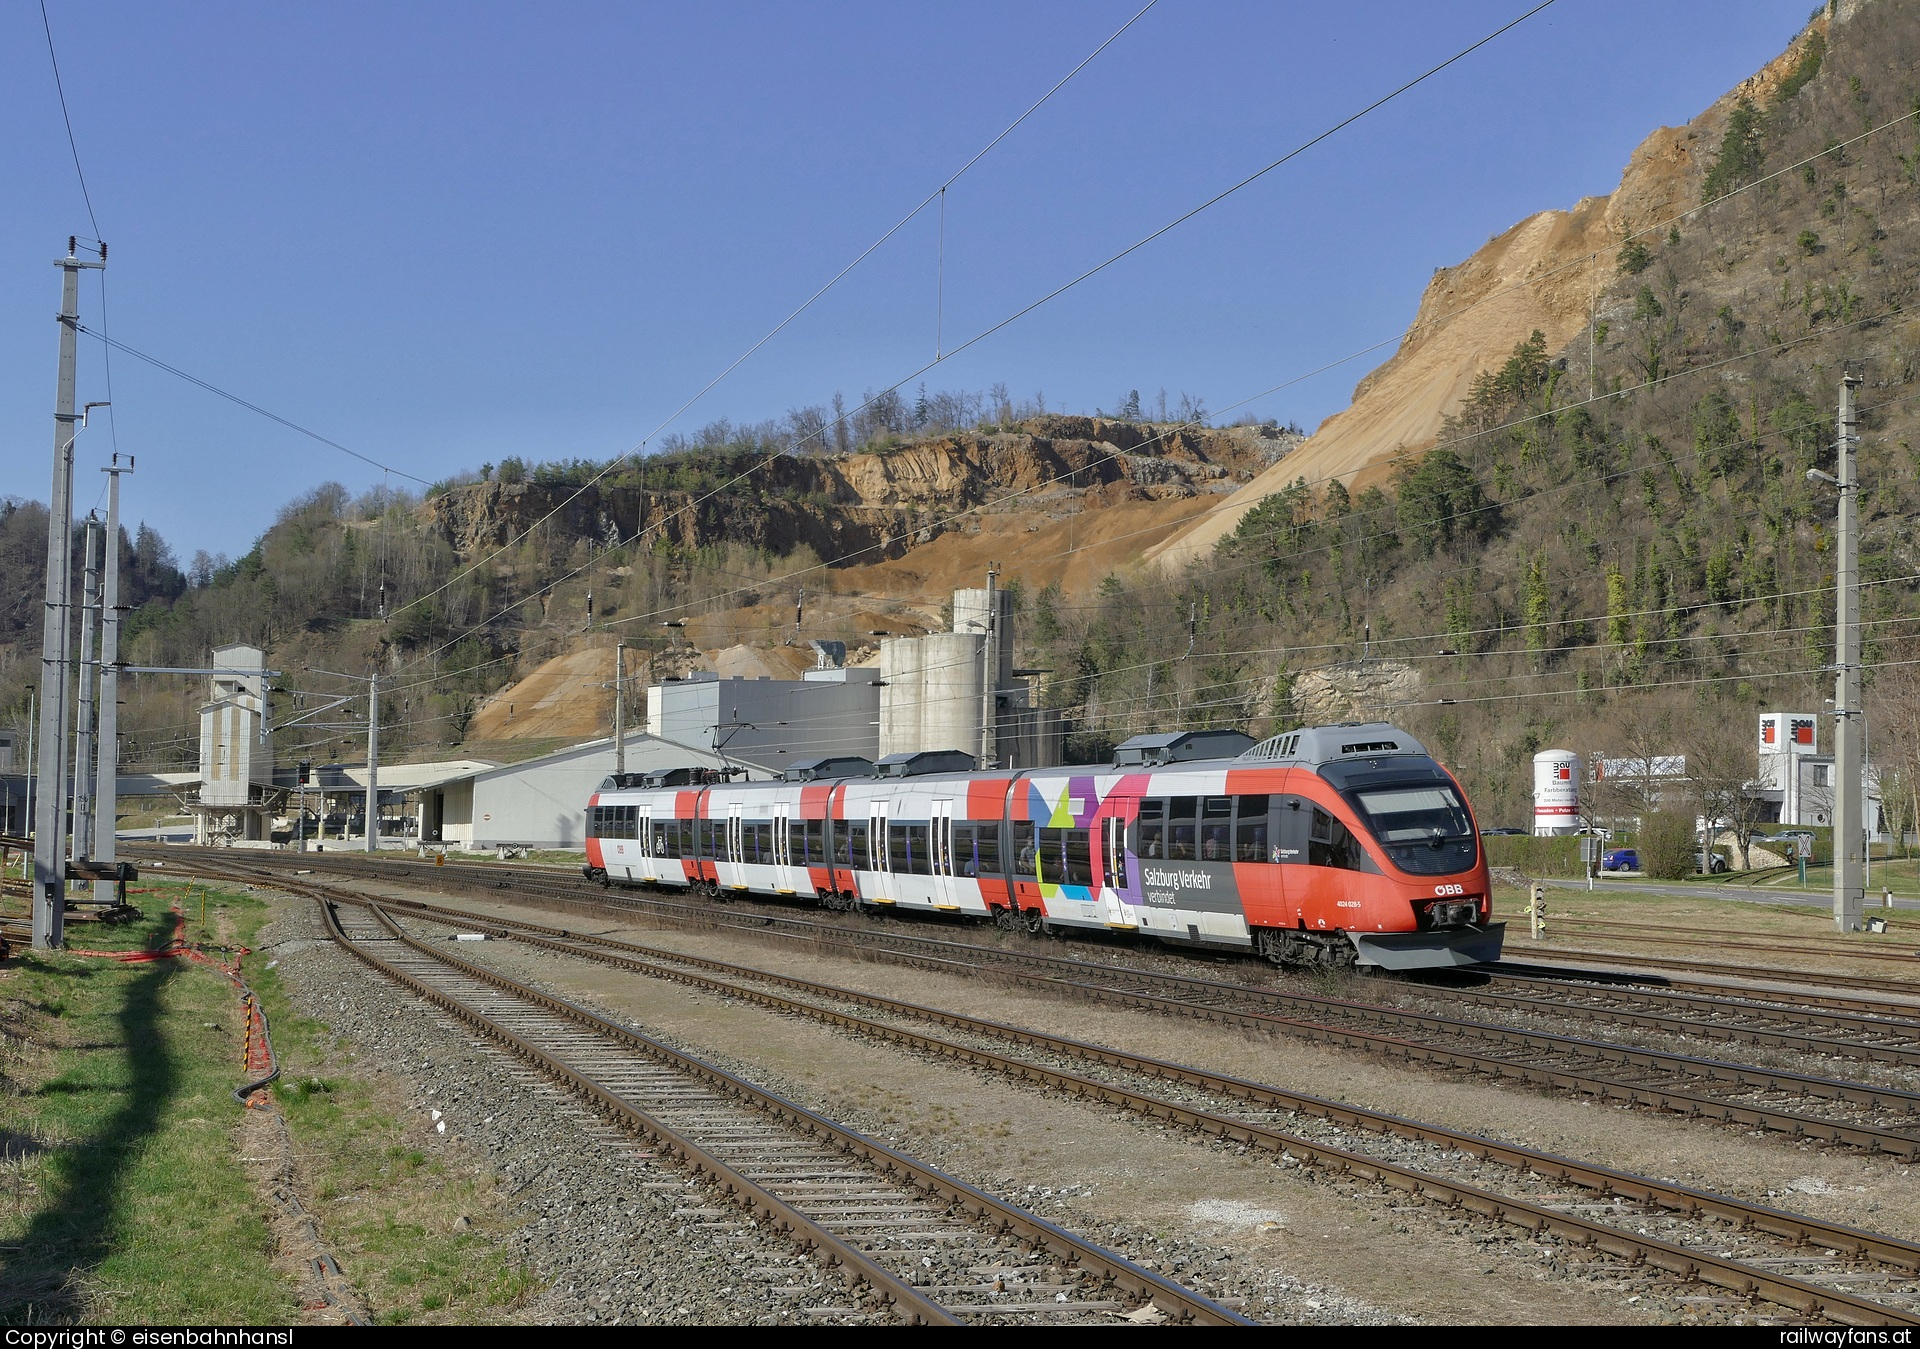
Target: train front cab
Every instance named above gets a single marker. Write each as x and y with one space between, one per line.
1378 845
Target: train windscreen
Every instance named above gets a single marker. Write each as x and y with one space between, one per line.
1418 818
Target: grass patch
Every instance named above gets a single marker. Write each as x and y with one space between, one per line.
123 1199
390 1193
1576 919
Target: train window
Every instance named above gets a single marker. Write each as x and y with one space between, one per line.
1250 829
661 845
813 842
1078 847
1051 859
1180 829
986 847
1216 829
1152 841
1180 843
1331 844
963 863
1025 858
919 860
852 838
896 847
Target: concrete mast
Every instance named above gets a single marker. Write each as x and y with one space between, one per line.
990 672
619 707
373 761
84 723
1849 826
50 804
106 794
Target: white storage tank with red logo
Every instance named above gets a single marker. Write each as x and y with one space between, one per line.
1556 792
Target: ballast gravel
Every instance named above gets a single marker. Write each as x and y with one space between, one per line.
610 1231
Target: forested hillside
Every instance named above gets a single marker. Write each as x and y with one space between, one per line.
1615 532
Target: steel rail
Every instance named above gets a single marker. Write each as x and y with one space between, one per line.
1180 1302
906 1301
1713 1070
1800 1007
1903 988
565 881
967 958
1643 1019
641 958
1722 1272
1646 933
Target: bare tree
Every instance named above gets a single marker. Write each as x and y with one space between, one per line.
1721 769
842 436
1893 714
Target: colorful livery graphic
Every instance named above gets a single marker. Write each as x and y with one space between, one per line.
1331 845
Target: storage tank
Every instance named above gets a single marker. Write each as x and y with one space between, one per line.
1556 792
950 690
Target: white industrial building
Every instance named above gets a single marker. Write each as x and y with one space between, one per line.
538 803
1794 781
237 799
1797 779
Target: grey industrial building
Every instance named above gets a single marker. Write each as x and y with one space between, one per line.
767 722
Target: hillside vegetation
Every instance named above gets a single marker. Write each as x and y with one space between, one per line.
1609 544
1637 529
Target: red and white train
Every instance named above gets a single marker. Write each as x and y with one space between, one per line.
1332 845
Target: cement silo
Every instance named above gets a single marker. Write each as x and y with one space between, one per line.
1556 792
931 698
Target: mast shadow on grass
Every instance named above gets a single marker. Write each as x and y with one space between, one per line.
84 1210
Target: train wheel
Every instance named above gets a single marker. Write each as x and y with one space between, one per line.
1006 920
1035 922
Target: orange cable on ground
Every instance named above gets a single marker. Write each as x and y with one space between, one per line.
258 1058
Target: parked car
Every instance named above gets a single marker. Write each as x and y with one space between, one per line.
1621 859
1502 833
1712 864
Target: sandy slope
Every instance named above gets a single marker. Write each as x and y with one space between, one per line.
1544 273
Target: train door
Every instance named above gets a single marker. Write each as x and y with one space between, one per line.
1292 819
940 850
880 887
643 844
830 830
1117 876
700 841
784 880
734 846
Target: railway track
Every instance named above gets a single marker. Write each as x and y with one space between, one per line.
1744 975
1857 1114
932 1248
1657 935
1882 1039
1718 1240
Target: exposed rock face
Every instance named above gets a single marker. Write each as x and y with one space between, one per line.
1359 690
866 507
1548 273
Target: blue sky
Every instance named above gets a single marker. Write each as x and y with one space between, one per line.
447 233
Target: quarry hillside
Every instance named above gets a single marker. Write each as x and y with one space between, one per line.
1570 510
